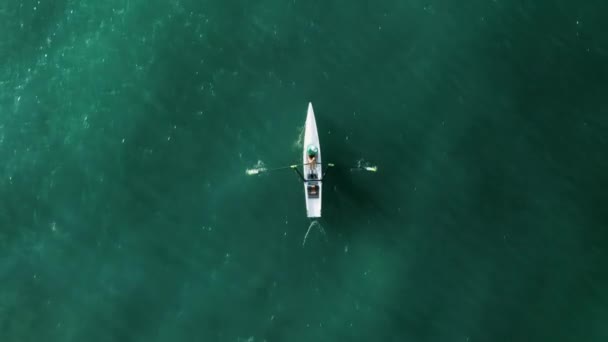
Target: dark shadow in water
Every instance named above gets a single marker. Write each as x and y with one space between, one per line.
349 199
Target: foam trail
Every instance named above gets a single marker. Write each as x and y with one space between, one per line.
257 169
363 165
298 143
314 223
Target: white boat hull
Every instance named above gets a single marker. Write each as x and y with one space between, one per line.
312 175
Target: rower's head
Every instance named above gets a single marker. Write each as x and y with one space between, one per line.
312 151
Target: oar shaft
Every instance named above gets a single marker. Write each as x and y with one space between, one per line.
288 167
279 168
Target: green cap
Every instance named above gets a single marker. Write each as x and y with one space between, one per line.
312 150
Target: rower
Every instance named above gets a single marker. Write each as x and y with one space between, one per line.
311 152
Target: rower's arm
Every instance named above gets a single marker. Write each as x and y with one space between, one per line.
295 167
327 168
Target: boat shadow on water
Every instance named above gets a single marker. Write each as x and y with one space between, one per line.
350 203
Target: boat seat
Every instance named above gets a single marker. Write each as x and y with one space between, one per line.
313 191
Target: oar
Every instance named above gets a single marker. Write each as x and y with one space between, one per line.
261 169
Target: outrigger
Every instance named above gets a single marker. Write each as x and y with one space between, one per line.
312 174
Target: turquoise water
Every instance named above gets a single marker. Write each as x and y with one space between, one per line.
126 128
